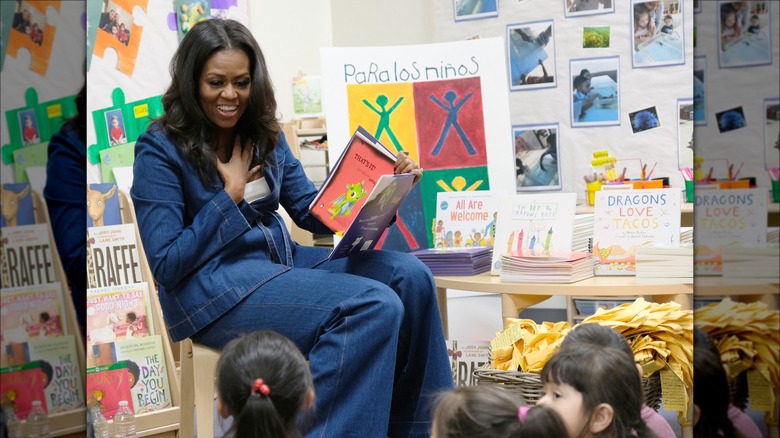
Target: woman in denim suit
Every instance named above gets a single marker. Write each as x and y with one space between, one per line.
209 176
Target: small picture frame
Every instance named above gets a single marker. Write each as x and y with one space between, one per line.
116 21
115 126
474 9
28 126
580 8
744 33
685 123
537 163
658 36
595 95
531 55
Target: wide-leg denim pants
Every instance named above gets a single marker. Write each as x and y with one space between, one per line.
369 325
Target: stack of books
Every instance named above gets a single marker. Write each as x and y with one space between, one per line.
582 239
456 261
756 263
665 262
546 267
773 235
686 235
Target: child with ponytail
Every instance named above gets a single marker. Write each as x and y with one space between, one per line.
264 383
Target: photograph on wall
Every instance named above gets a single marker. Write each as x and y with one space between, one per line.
685 133
307 96
594 94
28 122
730 119
744 30
115 124
697 6
595 37
699 91
116 21
29 21
536 157
474 9
657 29
771 133
644 119
577 8
531 55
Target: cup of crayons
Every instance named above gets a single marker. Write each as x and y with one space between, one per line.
687 174
774 174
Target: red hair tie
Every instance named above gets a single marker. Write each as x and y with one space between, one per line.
260 387
521 413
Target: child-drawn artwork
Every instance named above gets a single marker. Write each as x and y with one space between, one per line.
685 133
103 205
644 119
657 34
595 97
577 8
744 34
30 30
536 157
115 124
307 96
191 12
699 91
116 29
730 119
531 55
17 205
441 103
474 9
596 37
28 122
771 133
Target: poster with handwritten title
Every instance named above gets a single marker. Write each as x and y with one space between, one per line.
441 103
624 220
727 218
533 224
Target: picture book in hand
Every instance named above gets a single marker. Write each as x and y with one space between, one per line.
352 177
107 386
464 219
533 222
17 205
375 215
145 359
727 219
20 385
115 313
27 257
59 362
114 259
624 220
29 313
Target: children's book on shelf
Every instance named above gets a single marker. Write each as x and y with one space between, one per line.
29 313
145 359
27 257
627 219
351 178
59 362
116 313
114 258
724 219
464 219
456 261
465 358
537 221
539 266
103 205
17 205
375 215
21 385
107 386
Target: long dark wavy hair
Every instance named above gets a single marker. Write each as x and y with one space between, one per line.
184 120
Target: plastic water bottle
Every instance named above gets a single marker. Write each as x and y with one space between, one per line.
99 423
37 421
124 421
13 424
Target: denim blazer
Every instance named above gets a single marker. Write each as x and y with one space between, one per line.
206 252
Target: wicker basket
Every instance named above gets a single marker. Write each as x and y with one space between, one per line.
738 390
530 387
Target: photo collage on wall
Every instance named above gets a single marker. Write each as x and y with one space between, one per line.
744 29
531 55
595 91
657 30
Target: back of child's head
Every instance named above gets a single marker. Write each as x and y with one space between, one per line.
489 411
263 381
602 373
710 389
597 334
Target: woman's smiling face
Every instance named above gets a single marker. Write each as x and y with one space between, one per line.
224 87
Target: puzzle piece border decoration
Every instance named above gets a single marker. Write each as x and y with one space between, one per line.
39 54
126 54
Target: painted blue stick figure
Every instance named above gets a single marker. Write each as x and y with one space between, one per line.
452 120
384 118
